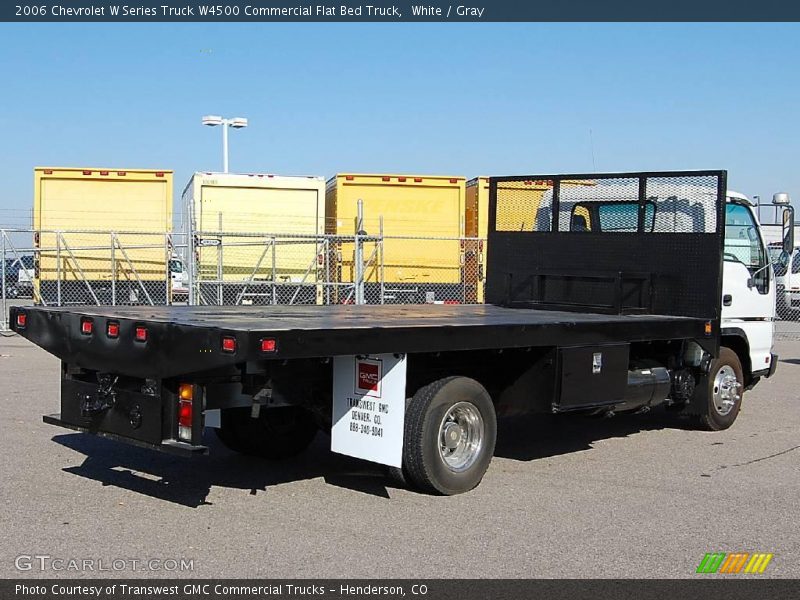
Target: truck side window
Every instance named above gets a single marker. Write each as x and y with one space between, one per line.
742 244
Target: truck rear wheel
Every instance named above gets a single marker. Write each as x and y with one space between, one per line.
718 396
450 434
275 433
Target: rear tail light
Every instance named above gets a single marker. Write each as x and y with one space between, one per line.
228 344
112 329
87 325
140 333
269 345
185 411
22 320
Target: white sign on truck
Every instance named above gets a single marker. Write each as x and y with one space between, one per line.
369 403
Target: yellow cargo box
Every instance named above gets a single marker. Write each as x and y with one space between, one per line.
74 211
256 228
414 211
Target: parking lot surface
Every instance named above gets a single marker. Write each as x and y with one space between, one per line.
630 496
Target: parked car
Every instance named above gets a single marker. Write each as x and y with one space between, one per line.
18 277
787 286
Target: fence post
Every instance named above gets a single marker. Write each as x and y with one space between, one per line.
4 323
274 269
113 269
382 262
358 255
58 268
168 275
220 298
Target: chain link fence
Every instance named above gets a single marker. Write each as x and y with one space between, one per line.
64 268
239 268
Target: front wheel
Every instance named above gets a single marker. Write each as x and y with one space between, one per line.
718 395
450 434
276 433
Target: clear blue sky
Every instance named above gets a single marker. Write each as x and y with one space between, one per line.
488 99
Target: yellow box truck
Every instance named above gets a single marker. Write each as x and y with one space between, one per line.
411 266
78 260
257 237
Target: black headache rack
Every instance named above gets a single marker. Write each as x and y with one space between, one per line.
622 243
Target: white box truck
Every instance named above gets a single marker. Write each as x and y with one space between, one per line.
255 237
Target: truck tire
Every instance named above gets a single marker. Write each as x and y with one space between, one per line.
718 395
276 433
450 433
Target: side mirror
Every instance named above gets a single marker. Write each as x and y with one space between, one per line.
783 259
788 230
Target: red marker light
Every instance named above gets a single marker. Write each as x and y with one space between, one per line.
113 330
269 345
87 326
48 171
386 178
87 172
159 174
417 179
349 177
103 173
228 344
140 334
454 180
401 179
22 320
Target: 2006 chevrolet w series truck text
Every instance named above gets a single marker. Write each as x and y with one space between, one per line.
630 291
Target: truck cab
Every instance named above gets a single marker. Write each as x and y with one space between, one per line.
179 280
748 289
748 281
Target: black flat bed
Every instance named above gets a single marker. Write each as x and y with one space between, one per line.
183 339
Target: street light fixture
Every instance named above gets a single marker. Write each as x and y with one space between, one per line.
236 123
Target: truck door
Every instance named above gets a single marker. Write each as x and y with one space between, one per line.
748 292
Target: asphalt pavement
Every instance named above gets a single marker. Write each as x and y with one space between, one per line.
630 496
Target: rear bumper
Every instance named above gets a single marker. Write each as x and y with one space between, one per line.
142 413
168 446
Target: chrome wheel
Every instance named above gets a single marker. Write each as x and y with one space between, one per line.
461 435
726 391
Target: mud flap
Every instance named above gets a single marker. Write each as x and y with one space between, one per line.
369 401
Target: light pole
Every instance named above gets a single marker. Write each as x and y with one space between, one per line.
236 123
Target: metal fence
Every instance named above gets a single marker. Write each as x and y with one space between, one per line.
62 268
248 268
